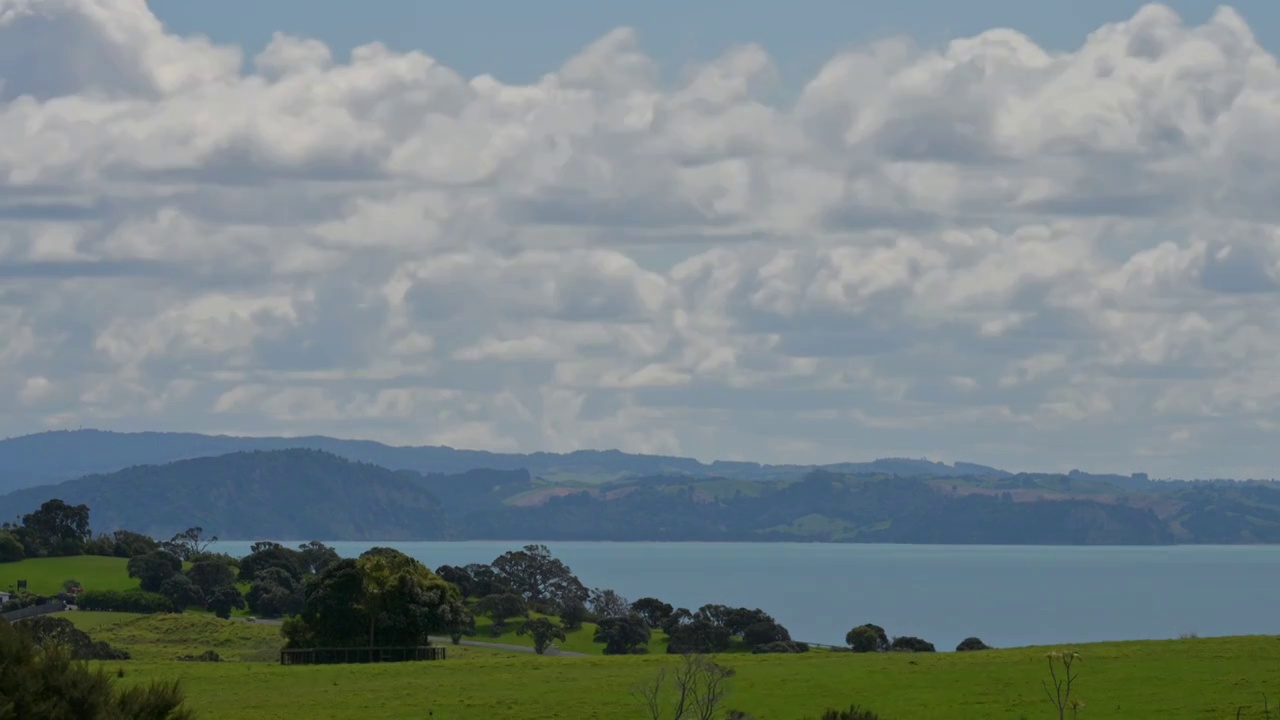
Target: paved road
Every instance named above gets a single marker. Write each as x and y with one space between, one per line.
467 643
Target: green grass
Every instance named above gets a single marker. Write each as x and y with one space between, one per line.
164 637
45 575
91 621
1203 678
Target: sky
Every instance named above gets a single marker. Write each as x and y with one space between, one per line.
1040 236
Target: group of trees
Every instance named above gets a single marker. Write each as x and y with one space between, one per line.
55 529
383 597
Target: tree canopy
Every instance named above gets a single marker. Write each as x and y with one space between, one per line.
384 597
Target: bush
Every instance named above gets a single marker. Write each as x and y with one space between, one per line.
49 684
206 656
911 644
972 643
134 601
49 632
10 547
781 647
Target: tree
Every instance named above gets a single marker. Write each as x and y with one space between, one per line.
382 596
402 598
763 633
211 576
485 580
543 632
867 638
697 636
331 613
70 586
190 542
48 683
131 544
153 568
500 608
275 593
654 611
627 635
55 529
862 639
224 600
10 547
463 624
180 591
909 643
608 603
263 555
694 690
970 644
573 615
539 577
317 556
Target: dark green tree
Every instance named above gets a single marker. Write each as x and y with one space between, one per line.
654 611
462 625
383 597
263 555
211 576
543 632
623 635
539 577
500 608
181 592
867 638
55 529
970 644
153 568
573 615
10 547
909 643
764 633
316 556
331 614
131 544
275 593
224 600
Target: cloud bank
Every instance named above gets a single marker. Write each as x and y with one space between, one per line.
982 251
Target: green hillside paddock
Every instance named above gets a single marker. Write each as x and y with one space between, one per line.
1200 678
45 576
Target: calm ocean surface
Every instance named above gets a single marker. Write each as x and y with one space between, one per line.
1007 595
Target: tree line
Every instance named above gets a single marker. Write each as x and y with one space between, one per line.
384 597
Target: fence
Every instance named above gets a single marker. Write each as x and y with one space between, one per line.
336 656
33 611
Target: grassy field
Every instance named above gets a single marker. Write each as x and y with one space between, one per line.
1203 678
45 575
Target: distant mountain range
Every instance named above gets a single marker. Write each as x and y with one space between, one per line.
305 494
52 457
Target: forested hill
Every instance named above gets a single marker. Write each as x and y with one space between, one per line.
281 494
307 494
51 457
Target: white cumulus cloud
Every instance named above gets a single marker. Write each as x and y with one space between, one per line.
984 251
